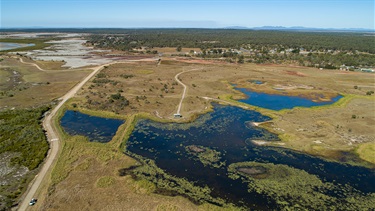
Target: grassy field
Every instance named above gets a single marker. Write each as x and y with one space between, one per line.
86 175
151 88
38 44
23 140
24 85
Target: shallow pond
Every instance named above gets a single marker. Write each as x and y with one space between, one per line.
97 129
223 137
279 102
8 46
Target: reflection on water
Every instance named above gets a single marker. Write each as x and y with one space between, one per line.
279 102
186 150
8 46
97 129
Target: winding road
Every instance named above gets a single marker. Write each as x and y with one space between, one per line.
185 88
33 64
52 136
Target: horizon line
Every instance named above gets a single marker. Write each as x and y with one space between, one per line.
279 28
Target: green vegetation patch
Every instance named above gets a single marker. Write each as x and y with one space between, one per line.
105 182
296 189
38 44
208 157
367 152
21 131
167 184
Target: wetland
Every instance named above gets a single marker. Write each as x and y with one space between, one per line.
9 46
279 102
97 129
215 154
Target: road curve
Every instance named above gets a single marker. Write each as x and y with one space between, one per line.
183 93
185 88
53 138
33 64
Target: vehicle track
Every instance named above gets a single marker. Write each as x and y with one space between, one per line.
52 135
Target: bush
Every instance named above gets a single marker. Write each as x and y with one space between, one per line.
21 131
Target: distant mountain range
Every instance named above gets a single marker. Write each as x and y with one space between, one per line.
301 28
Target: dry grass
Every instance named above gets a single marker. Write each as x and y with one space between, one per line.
86 178
86 175
366 152
321 131
168 50
50 65
35 87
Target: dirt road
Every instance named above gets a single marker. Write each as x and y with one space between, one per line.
53 138
185 88
35 65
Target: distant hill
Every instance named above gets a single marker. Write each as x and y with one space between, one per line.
301 28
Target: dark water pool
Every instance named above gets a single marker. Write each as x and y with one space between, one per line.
226 130
97 129
279 102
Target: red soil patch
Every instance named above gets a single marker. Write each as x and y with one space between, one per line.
200 61
295 73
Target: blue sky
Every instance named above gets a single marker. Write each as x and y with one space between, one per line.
187 13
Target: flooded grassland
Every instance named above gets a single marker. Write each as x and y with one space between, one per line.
213 159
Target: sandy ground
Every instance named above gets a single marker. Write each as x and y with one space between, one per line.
71 51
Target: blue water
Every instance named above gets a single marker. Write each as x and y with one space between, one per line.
279 102
226 130
8 46
97 129
256 82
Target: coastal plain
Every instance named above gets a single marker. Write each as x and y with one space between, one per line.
86 175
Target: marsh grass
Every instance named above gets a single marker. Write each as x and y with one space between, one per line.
206 155
366 151
167 184
105 182
296 189
39 44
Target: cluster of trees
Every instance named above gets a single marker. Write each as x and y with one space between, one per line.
22 133
325 60
127 39
23 138
322 49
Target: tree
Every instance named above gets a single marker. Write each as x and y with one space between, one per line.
179 48
241 59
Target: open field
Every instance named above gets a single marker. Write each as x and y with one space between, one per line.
86 175
151 88
39 44
24 85
89 172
